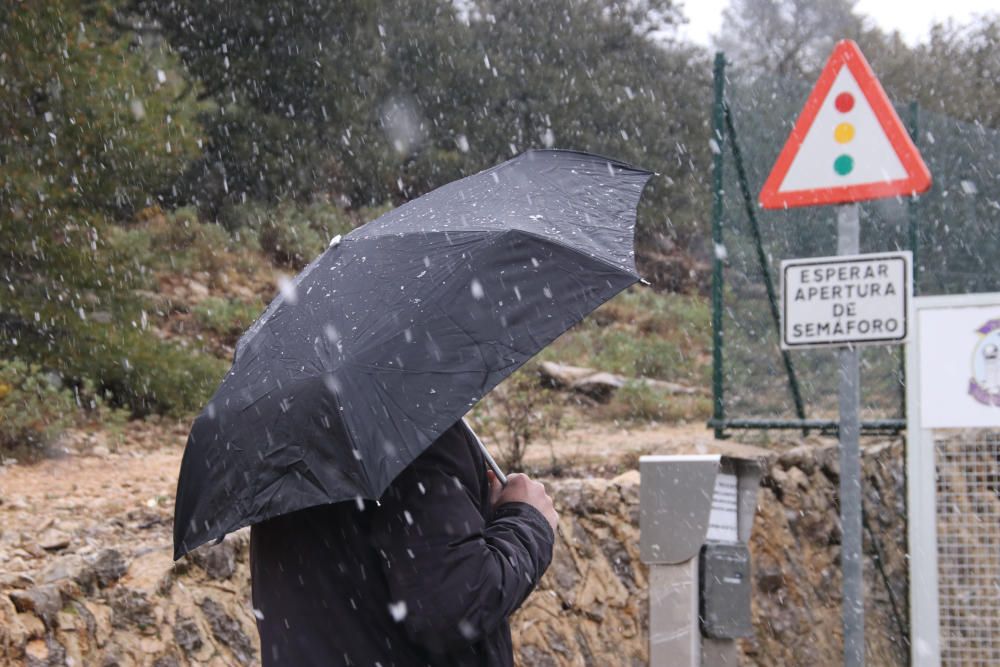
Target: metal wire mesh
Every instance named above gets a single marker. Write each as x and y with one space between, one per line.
968 529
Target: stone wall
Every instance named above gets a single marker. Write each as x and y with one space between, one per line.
796 560
590 608
136 607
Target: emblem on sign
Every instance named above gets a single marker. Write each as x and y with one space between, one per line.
985 383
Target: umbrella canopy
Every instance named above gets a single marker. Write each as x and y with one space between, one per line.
391 335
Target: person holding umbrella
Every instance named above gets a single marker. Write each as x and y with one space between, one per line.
383 533
428 576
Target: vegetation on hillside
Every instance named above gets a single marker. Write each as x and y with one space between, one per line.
161 162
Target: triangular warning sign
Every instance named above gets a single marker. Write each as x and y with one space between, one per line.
847 145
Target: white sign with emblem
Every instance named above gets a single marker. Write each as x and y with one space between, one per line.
958 349
846 300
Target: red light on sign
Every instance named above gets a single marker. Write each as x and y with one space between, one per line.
844 102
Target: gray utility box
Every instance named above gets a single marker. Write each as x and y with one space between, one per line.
724 584
695 517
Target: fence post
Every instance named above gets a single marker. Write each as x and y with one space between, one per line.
718 140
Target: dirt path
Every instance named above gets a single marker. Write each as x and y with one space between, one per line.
90 498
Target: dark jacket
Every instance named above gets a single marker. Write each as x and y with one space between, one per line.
428 576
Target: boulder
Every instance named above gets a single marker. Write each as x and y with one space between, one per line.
600 385
109 566
217 560
228 631
73 568
43 601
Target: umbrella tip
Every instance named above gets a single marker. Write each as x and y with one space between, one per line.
645 282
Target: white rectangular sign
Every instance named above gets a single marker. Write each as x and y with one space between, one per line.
958 349
722 523
848 299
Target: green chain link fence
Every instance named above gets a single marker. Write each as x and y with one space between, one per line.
953 231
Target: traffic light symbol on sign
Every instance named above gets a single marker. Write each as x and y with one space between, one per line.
843 134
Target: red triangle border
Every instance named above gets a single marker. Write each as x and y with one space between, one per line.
918 179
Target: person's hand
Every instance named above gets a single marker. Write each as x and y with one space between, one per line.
496 488
522 489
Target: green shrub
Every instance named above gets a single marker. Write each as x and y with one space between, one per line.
328 220
185 243
227 317
127 365
148 375
175 241
642 333
182 226
131 251
369 213
34 409
239 217
294 235
291 241
516 414
210 250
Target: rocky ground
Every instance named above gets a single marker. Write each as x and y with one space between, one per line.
86 576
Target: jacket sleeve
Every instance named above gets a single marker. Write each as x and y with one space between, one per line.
454 577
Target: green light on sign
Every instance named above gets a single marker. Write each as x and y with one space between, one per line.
843 165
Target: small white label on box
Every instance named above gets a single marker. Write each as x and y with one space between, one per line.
722 519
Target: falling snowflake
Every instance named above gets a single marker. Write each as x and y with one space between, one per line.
398 610
288 290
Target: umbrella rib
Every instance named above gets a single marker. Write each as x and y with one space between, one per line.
564 244
258 399
478 346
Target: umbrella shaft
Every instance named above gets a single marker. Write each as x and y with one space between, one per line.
486 454
493 464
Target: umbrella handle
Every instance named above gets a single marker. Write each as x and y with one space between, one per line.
486 454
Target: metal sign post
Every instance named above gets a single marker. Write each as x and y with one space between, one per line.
848 145
853 604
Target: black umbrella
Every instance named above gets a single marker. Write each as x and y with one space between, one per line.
391 335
